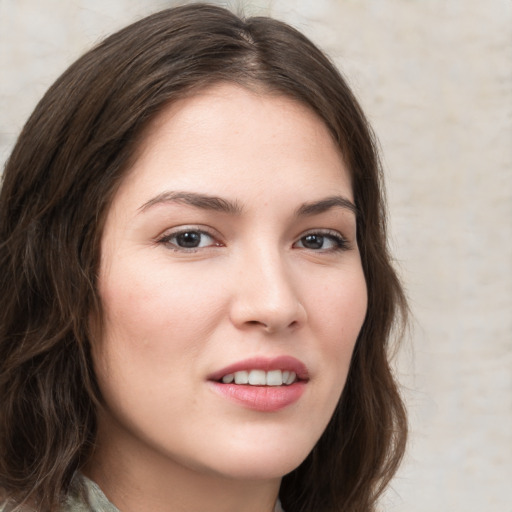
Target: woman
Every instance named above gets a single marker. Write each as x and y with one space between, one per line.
198 292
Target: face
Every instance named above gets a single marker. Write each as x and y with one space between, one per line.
232 288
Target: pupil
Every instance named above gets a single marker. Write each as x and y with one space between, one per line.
313 241
189 239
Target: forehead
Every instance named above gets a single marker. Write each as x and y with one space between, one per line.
228 136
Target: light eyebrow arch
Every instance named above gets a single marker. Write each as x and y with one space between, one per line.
202 201
323 205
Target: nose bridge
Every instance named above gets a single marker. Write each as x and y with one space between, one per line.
266 292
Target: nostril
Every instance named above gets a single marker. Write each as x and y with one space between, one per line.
269 327
267 315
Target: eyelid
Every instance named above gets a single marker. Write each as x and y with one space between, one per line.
168 234
341 241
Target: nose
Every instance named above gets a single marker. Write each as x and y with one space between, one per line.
266 295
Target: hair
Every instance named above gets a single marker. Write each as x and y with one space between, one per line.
57 186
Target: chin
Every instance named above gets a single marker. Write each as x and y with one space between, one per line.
269 468
264 457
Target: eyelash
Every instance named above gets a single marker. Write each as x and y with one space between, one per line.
166 239
339 241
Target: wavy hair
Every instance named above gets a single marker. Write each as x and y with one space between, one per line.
57 186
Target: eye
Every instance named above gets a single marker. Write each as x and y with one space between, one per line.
188 239
322 241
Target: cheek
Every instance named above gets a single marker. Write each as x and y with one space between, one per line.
155 328
337 316
158 305
340 307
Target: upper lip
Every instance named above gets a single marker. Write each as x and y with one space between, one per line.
284 363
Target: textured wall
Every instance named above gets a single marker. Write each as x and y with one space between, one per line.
435 77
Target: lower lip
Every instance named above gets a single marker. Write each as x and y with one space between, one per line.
261 398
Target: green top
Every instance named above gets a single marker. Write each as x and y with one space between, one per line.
85 496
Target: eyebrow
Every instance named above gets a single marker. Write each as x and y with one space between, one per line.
202 201
317 207
207 202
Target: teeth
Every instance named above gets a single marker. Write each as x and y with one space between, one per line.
257 378
291 378
242 377
261 378
274 378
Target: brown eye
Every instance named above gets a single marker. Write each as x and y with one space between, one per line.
322 241
188 239
312 241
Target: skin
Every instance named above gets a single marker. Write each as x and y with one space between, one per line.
253 287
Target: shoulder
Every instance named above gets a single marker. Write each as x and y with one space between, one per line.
85 496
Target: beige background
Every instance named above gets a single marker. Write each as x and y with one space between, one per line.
435 77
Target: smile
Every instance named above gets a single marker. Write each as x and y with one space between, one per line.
262 384
261 377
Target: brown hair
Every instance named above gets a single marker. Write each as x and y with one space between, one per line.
57 186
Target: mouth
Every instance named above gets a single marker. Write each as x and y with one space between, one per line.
263 371
262 384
